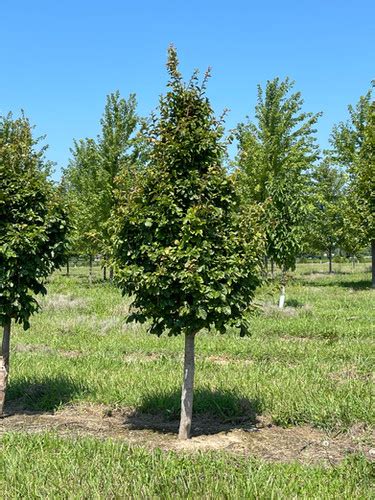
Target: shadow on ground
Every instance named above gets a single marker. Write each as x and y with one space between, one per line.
293 303
213 412
42 395
353 284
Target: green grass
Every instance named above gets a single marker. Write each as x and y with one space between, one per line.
46 466
312 364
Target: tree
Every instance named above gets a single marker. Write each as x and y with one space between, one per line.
353 147
90 177
325 227
33 229
362 188
115 146
274 157
178 245
80 186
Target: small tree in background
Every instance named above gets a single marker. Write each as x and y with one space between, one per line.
81 184
274 157
179 247
33 230
353 145
354 234
117 153
89 180
362 188
325 225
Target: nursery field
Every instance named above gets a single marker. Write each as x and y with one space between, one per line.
288 412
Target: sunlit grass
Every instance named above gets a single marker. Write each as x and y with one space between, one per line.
309 364
312 363
46 466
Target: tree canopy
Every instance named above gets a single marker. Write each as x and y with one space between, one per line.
90 178
179 246
33 222
353 147
274 155
325 223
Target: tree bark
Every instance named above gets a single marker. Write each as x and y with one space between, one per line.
4 364
111 274
265 269
282 290
90 270
330 261
187 388
67 268
104 273
373 262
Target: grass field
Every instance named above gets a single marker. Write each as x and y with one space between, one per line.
308 368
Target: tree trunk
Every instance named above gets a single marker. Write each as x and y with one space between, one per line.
282 290
111 274
265 269
330 261
67 268
373 262
4 364
90 270
272 269
187 388
104 273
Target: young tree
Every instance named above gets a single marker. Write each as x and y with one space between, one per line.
353 239
325 225
33 230
362 188
353 145
179 247
90 178
274 157
117 154
80 187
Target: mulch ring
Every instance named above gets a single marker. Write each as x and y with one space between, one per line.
263 440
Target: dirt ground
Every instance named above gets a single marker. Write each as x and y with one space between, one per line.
262 440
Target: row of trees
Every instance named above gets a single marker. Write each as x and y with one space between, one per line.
187 240
312 202
96 167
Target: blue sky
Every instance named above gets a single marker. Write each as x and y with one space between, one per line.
60 59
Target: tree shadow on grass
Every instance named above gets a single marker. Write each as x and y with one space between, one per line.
42 395
213 412
294 303
356 285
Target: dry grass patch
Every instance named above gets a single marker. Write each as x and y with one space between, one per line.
55 302
270 310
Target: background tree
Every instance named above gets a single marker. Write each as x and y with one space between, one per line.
353 148
90 178
33 230
325 224
353 239
117 152
178 247
362 188
81 184
274 157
